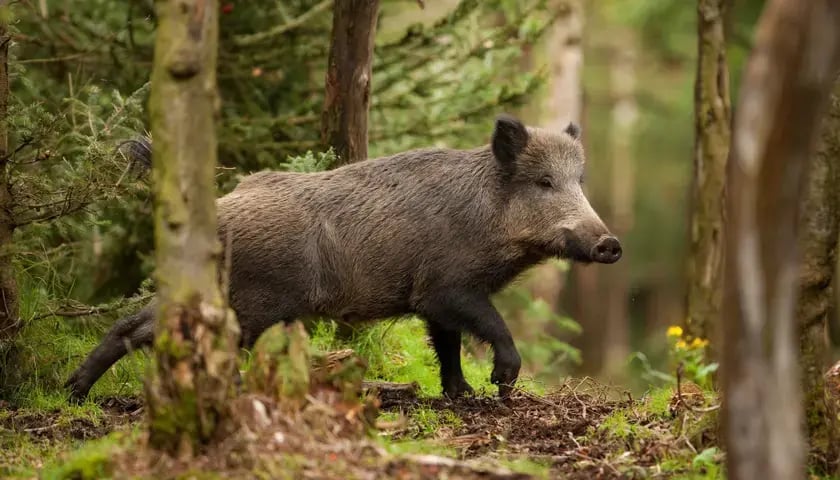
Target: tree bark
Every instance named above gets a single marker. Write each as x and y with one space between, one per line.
818 243
9 321
196 333
831 381
345 117
711 149
785 85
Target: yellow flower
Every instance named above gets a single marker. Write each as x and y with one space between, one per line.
681 344
675 331
699 343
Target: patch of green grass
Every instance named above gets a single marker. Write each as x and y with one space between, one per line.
535 468
419 447
48 350
21 456
705 465
427 421
619 426
399 351
658 401
92 461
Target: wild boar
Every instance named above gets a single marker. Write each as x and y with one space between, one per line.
430 232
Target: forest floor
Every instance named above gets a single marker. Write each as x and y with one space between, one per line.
581 430
576 429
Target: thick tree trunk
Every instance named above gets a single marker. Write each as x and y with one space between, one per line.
616 335
818 243
196 333
711 149
784 89
9 321
831 381
345 117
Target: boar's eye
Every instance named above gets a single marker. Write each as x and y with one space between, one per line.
581 180
545 182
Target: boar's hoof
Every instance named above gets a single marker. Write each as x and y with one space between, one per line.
78 389
607 250
504 375
457 389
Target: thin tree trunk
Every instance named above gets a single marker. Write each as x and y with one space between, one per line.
711 149
195 347
345 117
821 227
616 335
785 86
9 321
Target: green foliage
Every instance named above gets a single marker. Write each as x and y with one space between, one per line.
399 351
689 358
48 349
427 422
439 81
91 461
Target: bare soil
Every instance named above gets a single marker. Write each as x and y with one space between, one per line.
118 413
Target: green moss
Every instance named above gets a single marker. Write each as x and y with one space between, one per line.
535 468
92 461
618 426
420 447
658 401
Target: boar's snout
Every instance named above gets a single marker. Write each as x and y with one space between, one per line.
606 250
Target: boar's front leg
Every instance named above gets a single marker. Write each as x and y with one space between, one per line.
473 312
447 344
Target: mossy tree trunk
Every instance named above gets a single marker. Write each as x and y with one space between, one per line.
344 119
711 149
194 363
785 87
9 321
818 243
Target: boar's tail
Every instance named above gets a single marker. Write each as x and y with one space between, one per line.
138 152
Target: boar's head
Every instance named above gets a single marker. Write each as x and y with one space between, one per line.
546 209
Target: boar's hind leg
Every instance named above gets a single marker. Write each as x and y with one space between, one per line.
473 312
447 344
133 331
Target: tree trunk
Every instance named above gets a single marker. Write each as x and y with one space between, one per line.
9 321
711 149
785 85
616 335
831 381
345 117
196 333
818 243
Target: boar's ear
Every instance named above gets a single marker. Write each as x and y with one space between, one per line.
573 130
509 138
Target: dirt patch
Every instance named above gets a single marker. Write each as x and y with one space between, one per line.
525 423
325 439
561 429
118 413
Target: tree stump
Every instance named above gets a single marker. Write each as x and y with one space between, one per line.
281 365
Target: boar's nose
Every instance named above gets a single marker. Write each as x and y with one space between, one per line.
607 250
